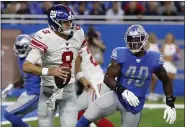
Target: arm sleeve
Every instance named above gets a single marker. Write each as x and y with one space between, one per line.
84 48
115 55
34 56
159 61
82 39
38 42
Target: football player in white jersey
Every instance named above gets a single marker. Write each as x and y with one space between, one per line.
86 67
57 44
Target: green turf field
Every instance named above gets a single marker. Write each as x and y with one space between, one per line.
149 118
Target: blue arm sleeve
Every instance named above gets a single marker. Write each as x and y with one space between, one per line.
159 61
116 55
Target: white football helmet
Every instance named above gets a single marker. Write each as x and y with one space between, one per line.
21 47
136 38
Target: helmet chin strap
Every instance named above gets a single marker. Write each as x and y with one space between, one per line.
22 55
138 50
135 52
68 32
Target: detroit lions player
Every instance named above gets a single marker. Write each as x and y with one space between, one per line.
133 66
28 101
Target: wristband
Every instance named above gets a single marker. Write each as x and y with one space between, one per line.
45 71
119 88
170 101
79 75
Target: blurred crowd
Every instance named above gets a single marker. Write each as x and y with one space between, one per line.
172 56
165 8
95 44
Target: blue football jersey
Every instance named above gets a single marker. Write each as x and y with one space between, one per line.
31 82
136 73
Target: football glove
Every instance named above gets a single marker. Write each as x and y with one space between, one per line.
6 91
131 98
170 112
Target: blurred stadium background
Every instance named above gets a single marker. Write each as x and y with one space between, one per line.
110 21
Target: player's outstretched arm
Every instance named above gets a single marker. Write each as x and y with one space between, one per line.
80 76
18 82
167 84
170 112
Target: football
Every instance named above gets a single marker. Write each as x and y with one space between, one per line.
60 83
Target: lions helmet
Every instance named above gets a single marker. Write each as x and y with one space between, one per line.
136 38
21 47
59 14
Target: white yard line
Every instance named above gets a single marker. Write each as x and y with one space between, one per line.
159 106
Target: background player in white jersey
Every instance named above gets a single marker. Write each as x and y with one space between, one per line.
86 67
153 46
57 44
28 101
171 53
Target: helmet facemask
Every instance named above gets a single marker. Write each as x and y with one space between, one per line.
136 39
21 50
136 43
21 47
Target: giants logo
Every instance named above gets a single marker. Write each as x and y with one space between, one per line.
71 16
53 14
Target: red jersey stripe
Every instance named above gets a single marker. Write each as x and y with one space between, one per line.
39 45
37 48
84 43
